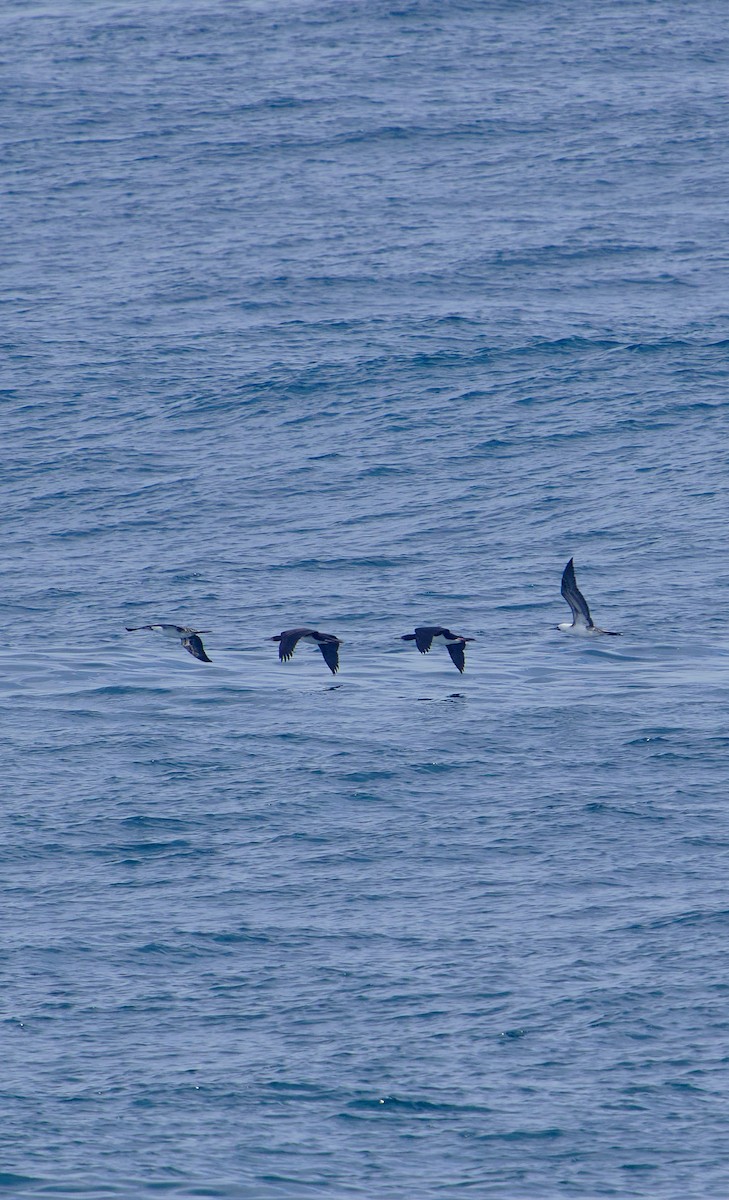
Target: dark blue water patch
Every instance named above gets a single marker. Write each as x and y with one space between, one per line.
173 845
19 1182
394 1105
367 776
147 821
551 1133
686 918
298 1090
341 564
239 937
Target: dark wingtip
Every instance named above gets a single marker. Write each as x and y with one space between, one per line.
194 646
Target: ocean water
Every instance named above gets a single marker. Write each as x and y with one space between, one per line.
362 315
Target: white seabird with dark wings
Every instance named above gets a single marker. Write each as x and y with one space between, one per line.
582 622
189 637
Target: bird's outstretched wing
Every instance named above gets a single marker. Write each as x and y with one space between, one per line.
193 644
424 638
457 651
330 654
287 643
574 597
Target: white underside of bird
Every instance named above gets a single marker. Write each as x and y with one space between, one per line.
579 630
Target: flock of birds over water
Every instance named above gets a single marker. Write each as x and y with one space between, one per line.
425 636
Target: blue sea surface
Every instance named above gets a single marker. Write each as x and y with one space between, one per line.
363 314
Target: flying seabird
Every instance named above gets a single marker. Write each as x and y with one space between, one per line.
425 635
327 643
582 622
189 637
